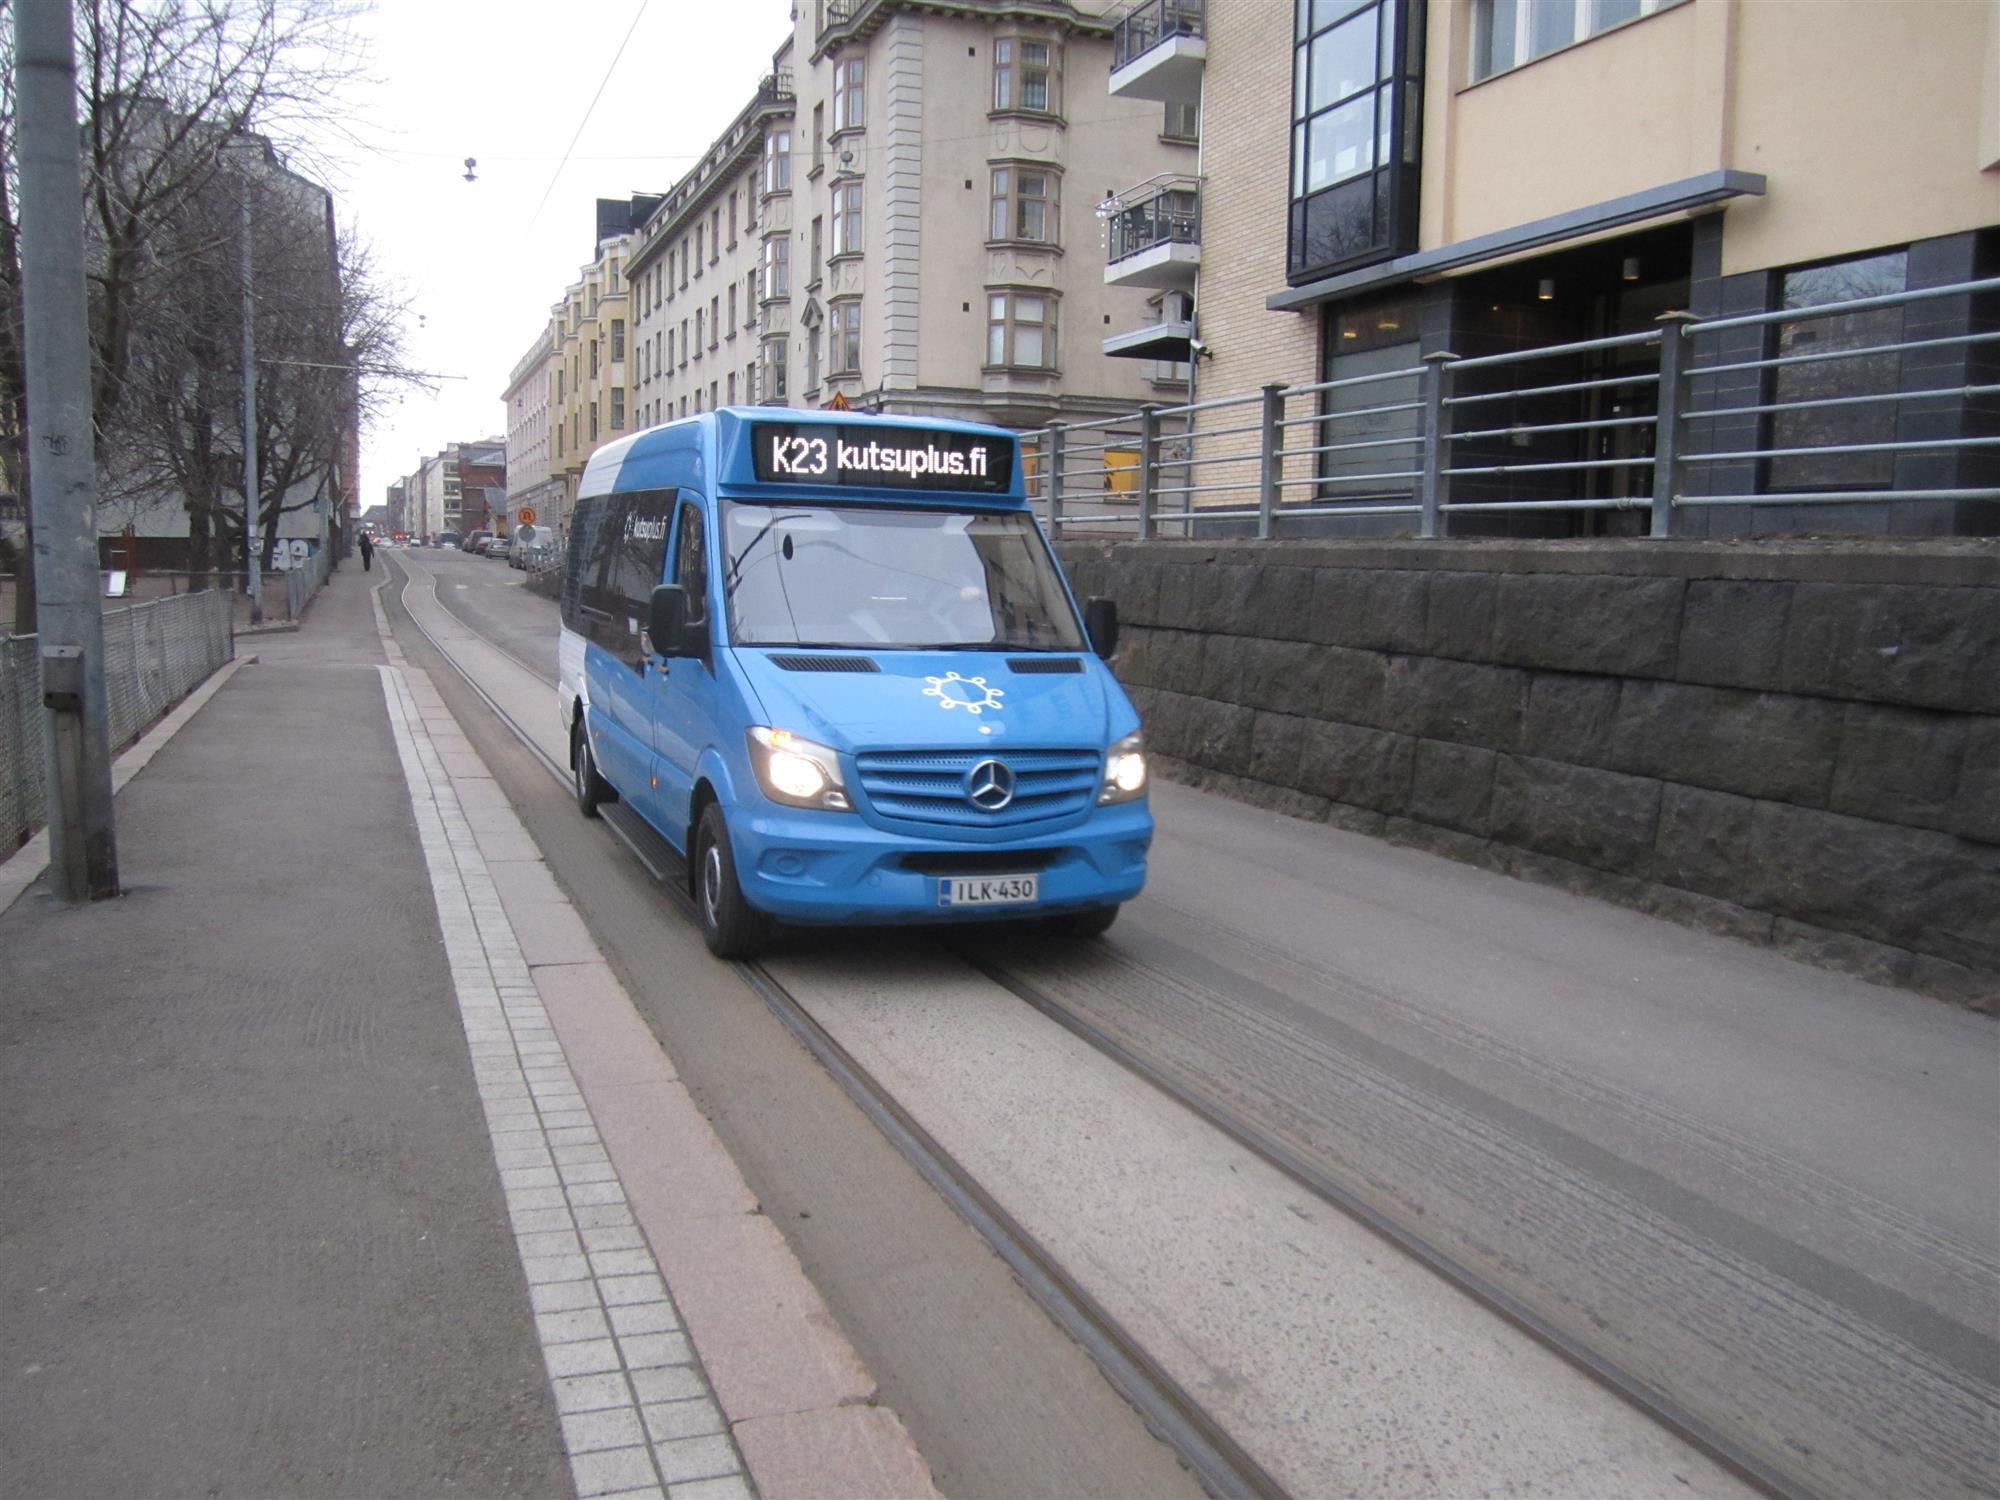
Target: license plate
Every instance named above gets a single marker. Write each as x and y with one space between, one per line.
989 890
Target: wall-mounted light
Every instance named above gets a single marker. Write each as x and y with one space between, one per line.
1546 291
1631 269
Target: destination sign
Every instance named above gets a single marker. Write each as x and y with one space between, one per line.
915 458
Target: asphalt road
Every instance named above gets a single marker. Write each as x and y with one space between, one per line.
1764 1192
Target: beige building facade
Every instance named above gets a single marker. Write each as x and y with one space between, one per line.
530 483
1385 179
905 217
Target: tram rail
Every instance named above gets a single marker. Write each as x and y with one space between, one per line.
1221 1465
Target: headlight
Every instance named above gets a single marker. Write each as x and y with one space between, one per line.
1124 771
796 772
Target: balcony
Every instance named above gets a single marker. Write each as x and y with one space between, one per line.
1154 234
1158 51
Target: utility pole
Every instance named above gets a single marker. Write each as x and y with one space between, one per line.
253 574
62 443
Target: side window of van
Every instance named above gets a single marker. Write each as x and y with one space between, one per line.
691 563
638 561
583 578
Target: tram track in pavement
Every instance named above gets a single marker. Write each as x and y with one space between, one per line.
1221 1465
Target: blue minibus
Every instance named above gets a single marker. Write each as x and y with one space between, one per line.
831 659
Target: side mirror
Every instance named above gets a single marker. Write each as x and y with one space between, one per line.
1100 622
667 624
666 615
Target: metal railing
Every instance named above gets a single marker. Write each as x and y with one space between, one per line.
1164 211
1688 415
155 654
1146 25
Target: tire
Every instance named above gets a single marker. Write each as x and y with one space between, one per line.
730 925
1093 922
591 789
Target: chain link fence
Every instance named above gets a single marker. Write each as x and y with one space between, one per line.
154 655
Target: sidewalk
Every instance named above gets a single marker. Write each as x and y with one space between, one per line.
298 1191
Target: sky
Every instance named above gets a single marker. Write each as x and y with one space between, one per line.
509 83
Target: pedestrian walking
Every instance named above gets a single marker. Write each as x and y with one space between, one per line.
367 553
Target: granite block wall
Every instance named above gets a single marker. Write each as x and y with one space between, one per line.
1796 743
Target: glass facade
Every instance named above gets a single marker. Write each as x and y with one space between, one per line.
1356 100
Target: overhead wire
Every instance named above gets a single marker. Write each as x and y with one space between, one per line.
587 112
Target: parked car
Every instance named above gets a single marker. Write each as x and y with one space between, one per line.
481 541
445 539
470 541
497 546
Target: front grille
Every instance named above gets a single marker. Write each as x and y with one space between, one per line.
1051 666
824 664
928 786
982 862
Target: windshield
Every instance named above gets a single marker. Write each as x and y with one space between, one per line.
877 578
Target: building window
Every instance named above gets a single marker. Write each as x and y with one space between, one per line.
700 331
777 163
593 421
750 300
715 320
732 388
1834 379
684 342
1027 75
617 340
684 265
1024 205
1508 33
670 351
847 219
700 247
850 94
1183 122
776 352
819 136
1355 97
844 346
593 359
813 279
778 267
1020 330
714 235
732 309
617 408
732 220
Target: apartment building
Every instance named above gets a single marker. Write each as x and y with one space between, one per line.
590 333
697 266
905 216
531 484
1383 180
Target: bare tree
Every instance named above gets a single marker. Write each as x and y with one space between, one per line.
164 88
328 337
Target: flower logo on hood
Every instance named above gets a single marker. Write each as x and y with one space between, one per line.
969 693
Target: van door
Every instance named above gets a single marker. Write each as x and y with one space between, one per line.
638 561
684 690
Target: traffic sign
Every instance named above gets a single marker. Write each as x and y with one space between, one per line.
527 515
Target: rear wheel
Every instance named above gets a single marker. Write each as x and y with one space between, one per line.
1090 923
592 790
730 925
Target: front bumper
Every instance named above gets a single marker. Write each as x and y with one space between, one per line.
813 867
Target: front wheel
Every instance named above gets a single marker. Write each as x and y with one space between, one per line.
1093 922
592 790
730 925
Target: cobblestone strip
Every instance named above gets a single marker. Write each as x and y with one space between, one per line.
638 1416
